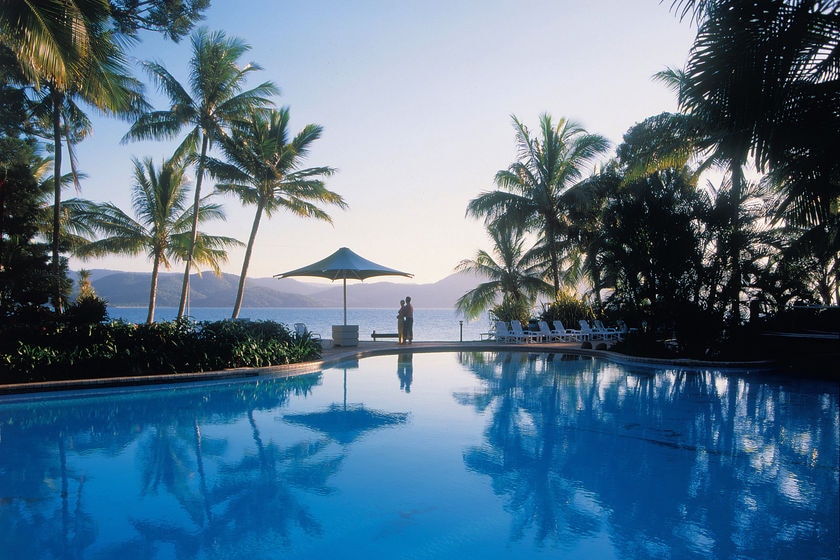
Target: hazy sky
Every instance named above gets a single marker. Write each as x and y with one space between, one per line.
416 99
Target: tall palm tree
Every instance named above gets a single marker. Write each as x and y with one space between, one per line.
98 76
511 272
263 168
162 230
68 52
215 100
764 78
533 192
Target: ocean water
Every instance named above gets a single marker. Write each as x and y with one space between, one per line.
429 324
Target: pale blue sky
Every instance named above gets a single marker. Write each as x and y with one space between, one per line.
416 99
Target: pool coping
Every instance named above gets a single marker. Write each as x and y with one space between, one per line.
332 355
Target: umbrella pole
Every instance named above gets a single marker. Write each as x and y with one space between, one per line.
345 301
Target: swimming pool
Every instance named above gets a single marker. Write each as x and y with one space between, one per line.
449 455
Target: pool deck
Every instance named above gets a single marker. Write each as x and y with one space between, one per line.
331 355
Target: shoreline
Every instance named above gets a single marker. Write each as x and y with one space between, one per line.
332 355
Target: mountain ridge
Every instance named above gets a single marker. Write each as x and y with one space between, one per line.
131 289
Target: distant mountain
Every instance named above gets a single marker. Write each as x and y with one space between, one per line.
131 289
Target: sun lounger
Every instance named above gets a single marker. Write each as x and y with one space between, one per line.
587 330
608 332
503 333
527 336
551 336
571 334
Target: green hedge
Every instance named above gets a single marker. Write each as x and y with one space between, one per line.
67 351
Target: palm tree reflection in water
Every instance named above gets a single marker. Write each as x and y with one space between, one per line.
561 451
572 443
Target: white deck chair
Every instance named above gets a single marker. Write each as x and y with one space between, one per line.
527 336
503 334
586 329
608 332
550 336
570 334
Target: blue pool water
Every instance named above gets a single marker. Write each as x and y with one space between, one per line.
470 455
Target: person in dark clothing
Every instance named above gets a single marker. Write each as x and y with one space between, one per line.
408 329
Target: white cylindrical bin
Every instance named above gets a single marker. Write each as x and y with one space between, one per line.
345 335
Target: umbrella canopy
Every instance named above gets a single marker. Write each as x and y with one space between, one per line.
345 424
344 264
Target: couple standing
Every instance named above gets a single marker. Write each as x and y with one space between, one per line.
405 321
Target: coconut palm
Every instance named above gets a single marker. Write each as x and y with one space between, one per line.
263 168
511 272
533 192
763 79
51 39
162 230
215 99
101 79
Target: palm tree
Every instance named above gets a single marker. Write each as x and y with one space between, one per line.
99 77
762 77
51 39
72 50
511 272
215 100
533 192
263 169
162 230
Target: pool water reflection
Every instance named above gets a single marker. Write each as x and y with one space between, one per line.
471 455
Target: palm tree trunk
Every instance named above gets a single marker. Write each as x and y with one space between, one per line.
555 271
57 100
735 243
185 287
153 291
246 261
199 460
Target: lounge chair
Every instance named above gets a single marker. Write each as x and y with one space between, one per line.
587 330
527 336
570 334
608 332
503 334
549 335
301 330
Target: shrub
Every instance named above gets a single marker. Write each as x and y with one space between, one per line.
568 309
65 351
510 310
86 310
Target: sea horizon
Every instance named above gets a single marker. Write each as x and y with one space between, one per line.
430 324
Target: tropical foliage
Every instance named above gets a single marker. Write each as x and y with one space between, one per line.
263 169
119 349
728 206
162 227
215 100
535 192
650 235
514 278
